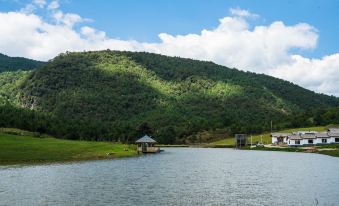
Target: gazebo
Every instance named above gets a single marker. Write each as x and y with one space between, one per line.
147 145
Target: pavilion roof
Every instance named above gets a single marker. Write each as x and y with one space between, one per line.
146 139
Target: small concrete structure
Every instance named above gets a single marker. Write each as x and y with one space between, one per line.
240 140
147 145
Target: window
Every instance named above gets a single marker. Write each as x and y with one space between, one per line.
324 140
336 139
297 141
310 141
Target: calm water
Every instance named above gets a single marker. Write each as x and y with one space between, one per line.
183 176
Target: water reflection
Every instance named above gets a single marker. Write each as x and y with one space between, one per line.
179 176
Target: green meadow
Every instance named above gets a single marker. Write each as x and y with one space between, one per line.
25 149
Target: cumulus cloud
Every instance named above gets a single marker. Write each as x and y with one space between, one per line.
53 5
320 75
67 19
31 7
233 43
242 13
39 3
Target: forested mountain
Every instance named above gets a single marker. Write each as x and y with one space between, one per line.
110 95
17 63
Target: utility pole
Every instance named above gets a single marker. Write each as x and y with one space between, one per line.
271 126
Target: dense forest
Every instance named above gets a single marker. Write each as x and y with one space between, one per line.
119 96
17 63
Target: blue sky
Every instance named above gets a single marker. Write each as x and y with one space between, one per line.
295 40
143 20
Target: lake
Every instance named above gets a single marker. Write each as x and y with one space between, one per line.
178 176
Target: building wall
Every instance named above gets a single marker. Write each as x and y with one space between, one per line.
305 141
317 141
292 143
275 140
333 140
302 142
285 140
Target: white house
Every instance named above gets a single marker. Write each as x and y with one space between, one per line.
279 138
307 138
294 139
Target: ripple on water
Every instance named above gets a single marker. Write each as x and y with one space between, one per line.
179 176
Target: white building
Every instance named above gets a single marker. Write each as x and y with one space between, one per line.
307 138
279 138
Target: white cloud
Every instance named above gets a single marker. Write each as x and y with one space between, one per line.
320 75
68 19
33 6
242 13
53 5
234 45
263 49
29 8
39 3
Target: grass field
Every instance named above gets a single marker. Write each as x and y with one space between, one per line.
21 149
266 137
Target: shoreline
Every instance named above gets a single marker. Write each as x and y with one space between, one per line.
330 150
20 163
56 162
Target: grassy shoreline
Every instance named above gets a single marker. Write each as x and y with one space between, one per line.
17 149
330 150
22 147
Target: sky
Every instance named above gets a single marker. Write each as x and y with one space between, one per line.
295 40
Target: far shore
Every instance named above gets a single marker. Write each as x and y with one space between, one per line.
18 147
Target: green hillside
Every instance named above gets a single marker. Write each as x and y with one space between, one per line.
18 63
110 95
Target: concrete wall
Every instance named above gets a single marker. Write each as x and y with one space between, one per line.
292 143
317 141
333 140
302 142
275 140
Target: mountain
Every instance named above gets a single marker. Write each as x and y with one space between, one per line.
17 63
111 95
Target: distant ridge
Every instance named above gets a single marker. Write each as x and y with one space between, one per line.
18 63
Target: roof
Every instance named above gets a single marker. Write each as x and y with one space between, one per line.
280 134
334 130
146 139
308 136
333 134
307 132
294 137
322 135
